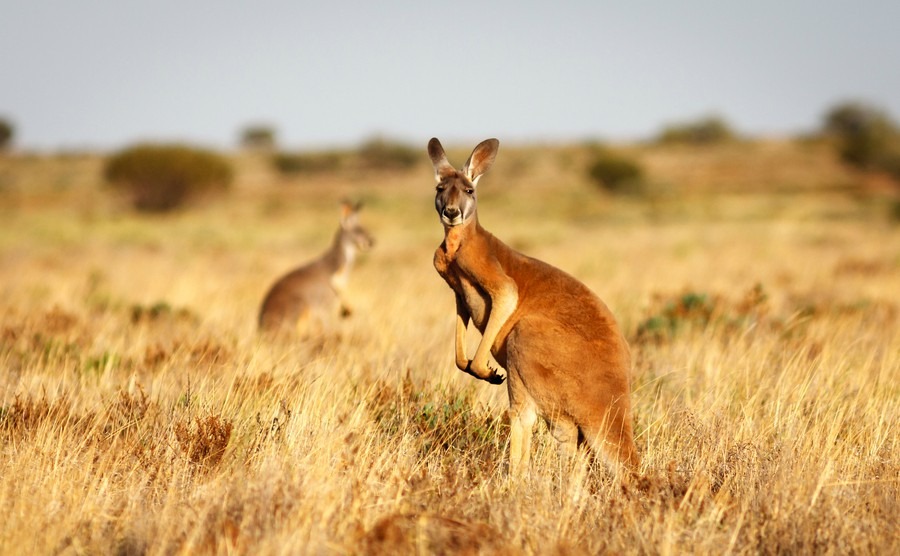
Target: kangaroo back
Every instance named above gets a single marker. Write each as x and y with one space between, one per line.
313 293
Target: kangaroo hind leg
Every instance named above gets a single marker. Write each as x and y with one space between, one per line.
565 431
611 440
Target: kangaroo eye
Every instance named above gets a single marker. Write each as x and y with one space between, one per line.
440 187
470 191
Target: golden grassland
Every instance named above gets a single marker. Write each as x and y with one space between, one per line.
141 414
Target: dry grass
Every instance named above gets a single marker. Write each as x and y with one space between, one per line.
141 414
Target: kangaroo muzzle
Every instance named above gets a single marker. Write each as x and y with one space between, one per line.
451 215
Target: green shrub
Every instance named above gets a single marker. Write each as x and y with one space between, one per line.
440 421
705 131
854 118
615 172
258 137
865 136
7 131
383 154
688 309
160 178
307 163
697 310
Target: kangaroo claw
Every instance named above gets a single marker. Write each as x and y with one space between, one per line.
492 378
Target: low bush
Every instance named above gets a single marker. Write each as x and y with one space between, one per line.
616 172
160 178
384 154
865 136
307 163
258 137
672 315
705 131
204 440
7 131
376 154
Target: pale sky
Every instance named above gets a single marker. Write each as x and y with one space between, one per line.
104 73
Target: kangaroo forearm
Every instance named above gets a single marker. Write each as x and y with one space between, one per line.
501 309
461 325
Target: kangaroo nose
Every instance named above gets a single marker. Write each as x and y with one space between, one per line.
451 212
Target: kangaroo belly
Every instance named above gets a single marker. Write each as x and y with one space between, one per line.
478 302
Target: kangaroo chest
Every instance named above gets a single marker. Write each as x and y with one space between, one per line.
475 298
340 278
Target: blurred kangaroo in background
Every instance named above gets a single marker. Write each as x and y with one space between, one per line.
314 293
566 359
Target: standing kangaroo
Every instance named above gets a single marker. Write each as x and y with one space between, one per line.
315 291
565 357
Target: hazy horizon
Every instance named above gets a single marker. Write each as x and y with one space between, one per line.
102 74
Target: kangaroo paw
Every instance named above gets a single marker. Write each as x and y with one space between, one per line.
491 376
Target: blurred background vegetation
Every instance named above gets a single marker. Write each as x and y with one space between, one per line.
6 133
860 139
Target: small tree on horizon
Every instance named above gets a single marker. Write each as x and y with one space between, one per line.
259 137
866 136
7 132
704 131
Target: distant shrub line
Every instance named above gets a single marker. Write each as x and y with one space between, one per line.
378 154
705 131
163 177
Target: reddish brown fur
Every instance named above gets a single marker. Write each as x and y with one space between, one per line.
565 357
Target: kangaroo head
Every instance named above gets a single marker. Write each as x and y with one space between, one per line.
352 235
455 199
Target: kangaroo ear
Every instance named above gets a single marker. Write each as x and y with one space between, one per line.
442 167
348 212
481 159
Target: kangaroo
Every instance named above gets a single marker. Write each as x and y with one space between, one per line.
315 291
564 355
